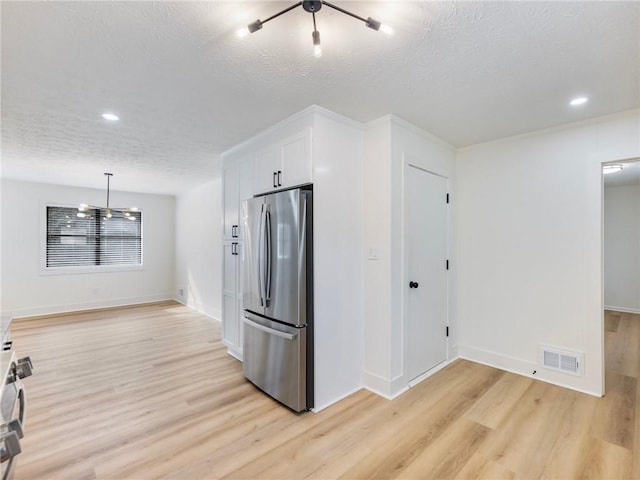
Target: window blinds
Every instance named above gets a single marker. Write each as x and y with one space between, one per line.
93 240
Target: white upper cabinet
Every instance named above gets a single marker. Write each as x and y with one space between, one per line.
267 165
285 164
237 188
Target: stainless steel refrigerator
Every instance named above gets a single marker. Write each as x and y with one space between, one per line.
278 296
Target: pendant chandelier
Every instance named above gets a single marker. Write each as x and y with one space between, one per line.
84 208
313 6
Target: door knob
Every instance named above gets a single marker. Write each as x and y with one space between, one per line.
413 285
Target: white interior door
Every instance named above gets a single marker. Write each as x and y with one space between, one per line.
426 260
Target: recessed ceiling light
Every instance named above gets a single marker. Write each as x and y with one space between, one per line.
611 168
578 101
110 116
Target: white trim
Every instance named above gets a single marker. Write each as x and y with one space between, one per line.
559 128
430 372
292 119
516 366
215 314
623 309
388 389
233 351
77 307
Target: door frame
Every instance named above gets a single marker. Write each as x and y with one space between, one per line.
413 161
602 332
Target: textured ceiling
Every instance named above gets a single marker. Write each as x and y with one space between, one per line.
186 88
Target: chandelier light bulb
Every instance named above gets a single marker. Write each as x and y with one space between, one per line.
386 29
317 49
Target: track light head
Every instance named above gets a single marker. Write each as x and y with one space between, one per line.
255 26
373 24
317 49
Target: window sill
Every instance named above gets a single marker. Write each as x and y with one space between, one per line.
90 269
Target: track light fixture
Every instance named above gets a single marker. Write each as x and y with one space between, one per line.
313 6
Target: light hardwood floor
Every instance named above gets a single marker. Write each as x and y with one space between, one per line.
149 392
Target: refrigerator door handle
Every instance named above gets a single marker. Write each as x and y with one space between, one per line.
267 290
270 331
261 256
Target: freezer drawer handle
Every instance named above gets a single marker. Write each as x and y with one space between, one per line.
270 331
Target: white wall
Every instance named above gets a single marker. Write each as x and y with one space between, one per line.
529 245
25 291
337 256
622 248
199 247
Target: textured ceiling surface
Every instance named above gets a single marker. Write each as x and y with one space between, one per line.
186 88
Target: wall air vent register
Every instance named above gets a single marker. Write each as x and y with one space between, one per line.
561 360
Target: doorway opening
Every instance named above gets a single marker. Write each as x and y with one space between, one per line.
621 274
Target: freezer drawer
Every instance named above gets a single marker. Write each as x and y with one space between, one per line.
275 360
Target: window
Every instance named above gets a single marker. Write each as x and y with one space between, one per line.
93 240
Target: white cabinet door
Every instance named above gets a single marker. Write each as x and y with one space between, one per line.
283 165
237 187
245 190
296 160
230 293
266 165
230 212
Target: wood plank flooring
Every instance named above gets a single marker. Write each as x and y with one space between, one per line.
149 392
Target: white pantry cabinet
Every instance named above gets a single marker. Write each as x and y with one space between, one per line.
286 163
232 297
324 149
236 185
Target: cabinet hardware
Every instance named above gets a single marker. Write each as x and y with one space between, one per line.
279 178
234 231
275 185
414 284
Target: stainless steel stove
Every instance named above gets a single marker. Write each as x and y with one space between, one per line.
12 408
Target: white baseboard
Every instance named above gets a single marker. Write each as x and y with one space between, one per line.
317 408
428 373
517 366
76 307
234 352
212 313
388 389
622 309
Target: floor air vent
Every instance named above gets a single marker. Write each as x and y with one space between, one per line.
561 360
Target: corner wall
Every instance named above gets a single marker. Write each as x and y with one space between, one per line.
529 245
25 291
198 248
